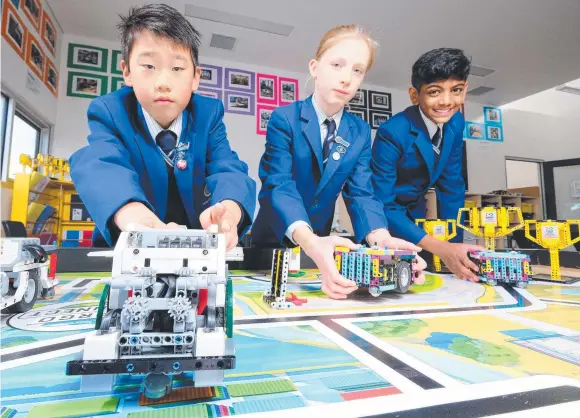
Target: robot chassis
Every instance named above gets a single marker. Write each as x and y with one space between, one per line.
168 309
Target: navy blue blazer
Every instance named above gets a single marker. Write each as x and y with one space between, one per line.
404 168
296 185
123 164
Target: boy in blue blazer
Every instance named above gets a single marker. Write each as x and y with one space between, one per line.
421 148
158 155
314 151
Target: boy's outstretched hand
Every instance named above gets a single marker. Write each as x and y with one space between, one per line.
136 213
227 215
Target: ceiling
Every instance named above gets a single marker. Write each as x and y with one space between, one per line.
533 45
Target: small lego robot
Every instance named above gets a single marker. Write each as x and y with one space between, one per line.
168 309
511 268
379 270
276 295
24 276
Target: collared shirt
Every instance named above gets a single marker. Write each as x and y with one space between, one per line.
154 127
432 128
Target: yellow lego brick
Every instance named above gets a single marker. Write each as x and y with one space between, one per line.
342 249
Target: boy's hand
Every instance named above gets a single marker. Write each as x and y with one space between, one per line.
138 214
382 238
455 258
226 215
419 267
321 251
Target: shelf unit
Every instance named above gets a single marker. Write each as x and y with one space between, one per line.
56 193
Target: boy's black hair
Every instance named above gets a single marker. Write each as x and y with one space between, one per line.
162 20
440 64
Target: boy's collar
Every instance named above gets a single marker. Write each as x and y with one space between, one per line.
431 126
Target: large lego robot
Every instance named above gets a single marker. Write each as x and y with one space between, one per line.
24 275
168 309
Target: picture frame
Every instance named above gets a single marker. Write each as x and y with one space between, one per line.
33 11
51 77
379 100
377 118
239 80
240 103
263 114
267 89
48 33
87 57
211 76
288 90
35 56
86 85
474 130
216 94
494 133
359 112
492 115
116 58
117 83
14 29
360 99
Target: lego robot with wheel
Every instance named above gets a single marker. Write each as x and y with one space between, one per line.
168 309
24 275
512 268
379 270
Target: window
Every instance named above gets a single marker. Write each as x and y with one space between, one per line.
25 140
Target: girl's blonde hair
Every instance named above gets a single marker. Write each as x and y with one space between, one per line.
341 32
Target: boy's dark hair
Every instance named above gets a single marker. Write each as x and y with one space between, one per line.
440 64
162 20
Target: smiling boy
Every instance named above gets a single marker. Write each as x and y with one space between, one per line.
422 147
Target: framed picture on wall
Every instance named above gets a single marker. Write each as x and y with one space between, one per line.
492 115
216 94
267 86
474 130
264 113
211 76
33 10
359 99
379 100
35 57
48 33
376 118
13 29
288 88
51 77
361 113
117 83
241 103
86 85
239 80
494 133
86 57
116 58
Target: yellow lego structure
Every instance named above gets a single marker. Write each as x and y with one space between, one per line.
554 236
443 230
491 223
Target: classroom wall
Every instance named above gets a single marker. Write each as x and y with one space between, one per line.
20 81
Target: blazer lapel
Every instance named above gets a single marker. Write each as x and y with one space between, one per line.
154 164
345 132
184 176
311 130
423 140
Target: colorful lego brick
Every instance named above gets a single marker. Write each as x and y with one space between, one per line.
261 388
